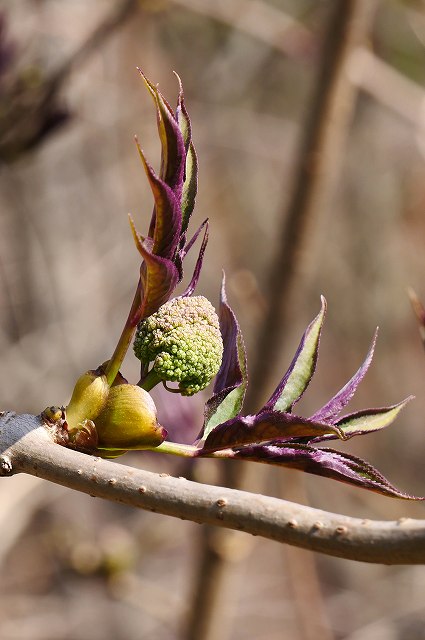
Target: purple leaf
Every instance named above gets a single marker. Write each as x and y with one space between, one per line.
167 226
232 378
324 462
159 278
264 427
198 266
333 408
173 151
190 184
300 372
233 368
186 247
182 116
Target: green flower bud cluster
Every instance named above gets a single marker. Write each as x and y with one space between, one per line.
183 341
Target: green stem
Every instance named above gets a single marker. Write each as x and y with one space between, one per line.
151 380
177 449
126 337
189 450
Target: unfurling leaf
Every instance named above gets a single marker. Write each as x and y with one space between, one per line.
324 462
198 265
297 378
331 410
168 218
232 379
172 143
159 278
266 426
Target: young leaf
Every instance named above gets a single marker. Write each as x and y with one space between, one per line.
198 266
265 427
370 420
324 462
190 186
366 421
167 228
333 408
182 116
173 151
231 382
300 372
159 278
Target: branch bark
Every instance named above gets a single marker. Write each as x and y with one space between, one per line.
27 447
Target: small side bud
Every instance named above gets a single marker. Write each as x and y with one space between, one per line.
88 399
129 420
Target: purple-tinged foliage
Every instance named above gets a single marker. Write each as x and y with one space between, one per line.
173 157
274 435
266 426
198 265
174 190
301 370
333 408
365 421
277 436
190 184
165 247
231 381
323 462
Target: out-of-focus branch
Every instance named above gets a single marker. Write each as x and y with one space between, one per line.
260 20
112 21
386 85
26 446
290 37
30 106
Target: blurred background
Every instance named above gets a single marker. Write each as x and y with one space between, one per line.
71 100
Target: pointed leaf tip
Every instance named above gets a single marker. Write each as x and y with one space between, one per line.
333 408
324 462
302 367
138 239
365 421
232 379
370 420
198 265
266 426
173 156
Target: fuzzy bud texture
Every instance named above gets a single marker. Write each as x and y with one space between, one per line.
183 341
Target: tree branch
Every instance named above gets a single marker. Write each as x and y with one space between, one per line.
27 447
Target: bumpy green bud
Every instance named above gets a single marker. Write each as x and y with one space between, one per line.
128 420
183 341
88 399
